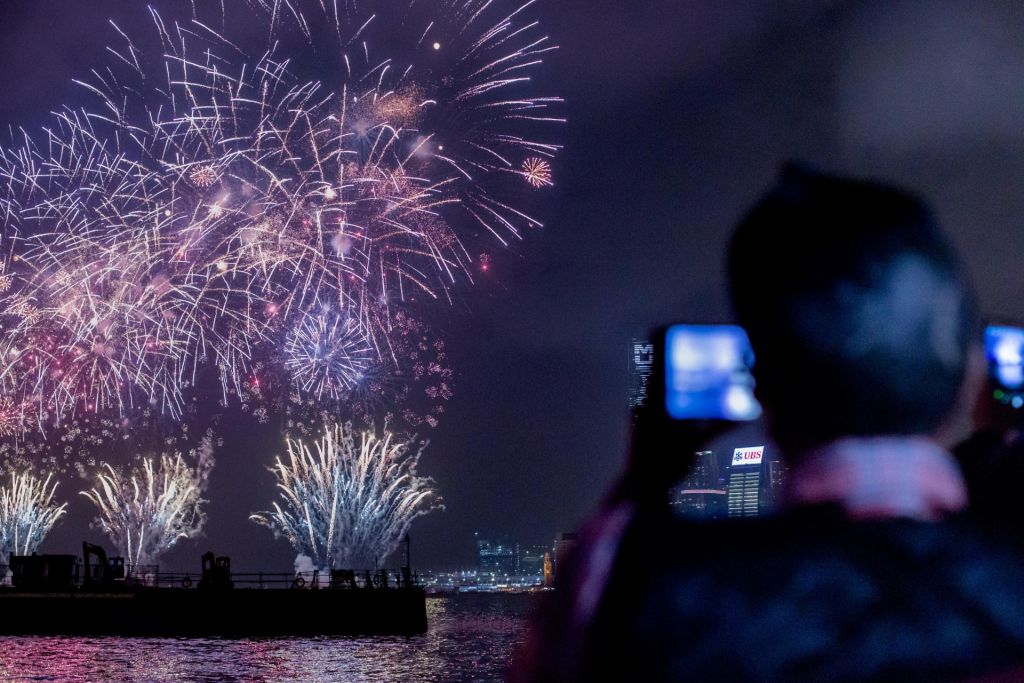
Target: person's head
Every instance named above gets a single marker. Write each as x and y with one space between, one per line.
858 309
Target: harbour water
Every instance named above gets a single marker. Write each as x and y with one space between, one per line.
472 637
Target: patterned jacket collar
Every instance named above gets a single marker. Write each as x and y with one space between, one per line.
880 477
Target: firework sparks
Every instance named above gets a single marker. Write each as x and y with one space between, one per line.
349 503
203 176
327 354
201 221
27 513
537 172
146 513
12 417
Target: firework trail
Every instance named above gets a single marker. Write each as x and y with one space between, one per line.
349 503
146 513
27 514
216 212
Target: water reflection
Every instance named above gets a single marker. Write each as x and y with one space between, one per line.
471 638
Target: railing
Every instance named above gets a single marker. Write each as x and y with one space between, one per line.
142 574
104 577
338 579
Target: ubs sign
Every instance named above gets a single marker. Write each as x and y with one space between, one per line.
748 456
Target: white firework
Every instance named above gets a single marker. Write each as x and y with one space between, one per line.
328 354
27 513
348 502
146 513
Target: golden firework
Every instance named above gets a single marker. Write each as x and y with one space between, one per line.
537 172
203 176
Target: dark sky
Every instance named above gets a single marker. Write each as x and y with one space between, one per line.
679 115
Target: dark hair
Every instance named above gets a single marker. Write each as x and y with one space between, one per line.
857 307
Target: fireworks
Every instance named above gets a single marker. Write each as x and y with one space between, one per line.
11 417
349 503
327 354
146 513
27 513
537 172
205 216
203 176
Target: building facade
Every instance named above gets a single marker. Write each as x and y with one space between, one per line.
496 558
641 364
744 487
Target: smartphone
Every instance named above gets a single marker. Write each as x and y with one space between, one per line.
708 373
1004 349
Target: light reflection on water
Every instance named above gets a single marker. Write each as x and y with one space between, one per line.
471 638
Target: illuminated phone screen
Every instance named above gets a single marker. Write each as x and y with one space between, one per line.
707 373
1004 348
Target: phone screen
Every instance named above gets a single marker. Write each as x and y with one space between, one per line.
707 373
1004 348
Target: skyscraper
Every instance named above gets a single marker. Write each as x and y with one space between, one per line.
641 364
744 485
496 558
778 472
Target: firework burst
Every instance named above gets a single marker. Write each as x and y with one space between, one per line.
537 172
204 216
27 513
327 354
147 512
348 502
204 176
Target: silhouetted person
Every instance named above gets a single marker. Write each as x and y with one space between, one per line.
864 326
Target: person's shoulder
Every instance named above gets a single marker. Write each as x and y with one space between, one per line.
854 599
823 533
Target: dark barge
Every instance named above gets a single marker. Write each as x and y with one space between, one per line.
60 595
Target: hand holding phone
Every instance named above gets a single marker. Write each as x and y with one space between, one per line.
701 386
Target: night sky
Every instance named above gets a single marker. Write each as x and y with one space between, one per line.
679 115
